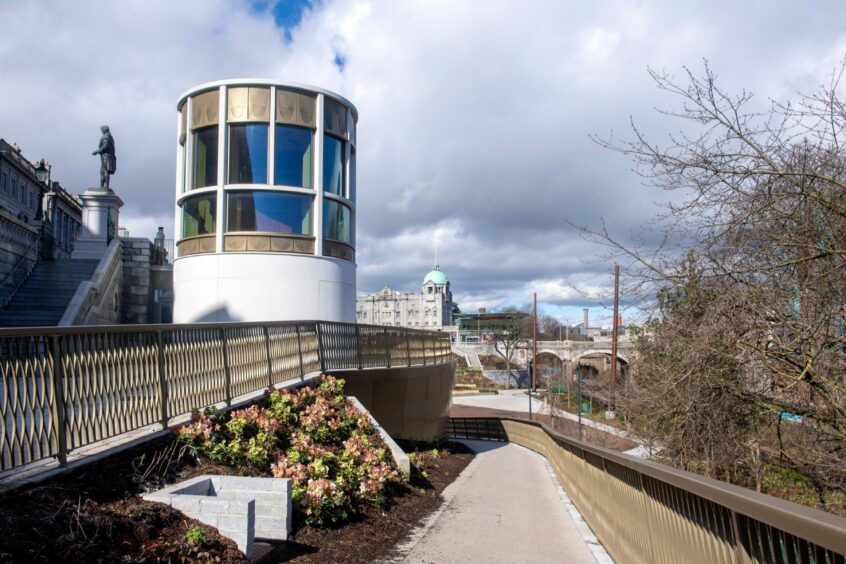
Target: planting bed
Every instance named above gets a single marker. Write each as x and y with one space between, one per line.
94 514
350 504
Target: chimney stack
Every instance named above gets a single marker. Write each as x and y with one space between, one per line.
619 320
585 311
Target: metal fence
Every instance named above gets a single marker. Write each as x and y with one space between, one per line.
642 511
62 388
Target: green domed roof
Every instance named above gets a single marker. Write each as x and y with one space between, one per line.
436 276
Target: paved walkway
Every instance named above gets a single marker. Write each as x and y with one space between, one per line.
518 400
505 507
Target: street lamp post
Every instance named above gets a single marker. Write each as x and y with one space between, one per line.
42 172
579 398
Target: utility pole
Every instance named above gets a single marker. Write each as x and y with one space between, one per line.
534 340
614 338
579 396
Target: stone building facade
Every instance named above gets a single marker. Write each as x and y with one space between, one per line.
431 308
21 192
63 213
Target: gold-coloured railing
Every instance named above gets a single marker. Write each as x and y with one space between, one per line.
642 511
62 388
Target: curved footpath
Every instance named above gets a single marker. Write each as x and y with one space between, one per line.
517 400
506 506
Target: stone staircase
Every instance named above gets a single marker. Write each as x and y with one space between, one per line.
470 355
42 299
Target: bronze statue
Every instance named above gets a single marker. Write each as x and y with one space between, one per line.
106 150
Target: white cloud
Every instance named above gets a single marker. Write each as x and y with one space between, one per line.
473 117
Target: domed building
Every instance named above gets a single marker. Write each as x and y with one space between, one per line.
431 308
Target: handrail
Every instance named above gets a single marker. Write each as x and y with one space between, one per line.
147 327
24 256
644 511
66 387
90 293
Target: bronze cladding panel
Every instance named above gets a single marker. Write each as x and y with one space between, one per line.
258 243
295 108
205 109
263 243
248 103
195 245
234 243
282 244
410 403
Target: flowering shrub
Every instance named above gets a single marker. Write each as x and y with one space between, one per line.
313 436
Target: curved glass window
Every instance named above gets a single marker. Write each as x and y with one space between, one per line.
269 212
336 221
248 153
351 195
205 157
293 156
198 215
333 165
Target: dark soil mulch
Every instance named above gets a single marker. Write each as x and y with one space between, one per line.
566 427
377 531
95 514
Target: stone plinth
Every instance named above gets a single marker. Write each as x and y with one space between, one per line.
243 509
99 223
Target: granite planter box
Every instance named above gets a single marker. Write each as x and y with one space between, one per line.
241 508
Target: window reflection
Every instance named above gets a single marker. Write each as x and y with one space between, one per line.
269 212
336 221
205 157
248 153
198 215
351 195
293 156
333 165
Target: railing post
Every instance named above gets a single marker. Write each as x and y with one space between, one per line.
269 360
358 345
163 391
387 349
59 402
423 342
227 376
320 354
300 353
407 347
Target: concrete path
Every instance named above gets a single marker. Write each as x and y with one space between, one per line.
518 400
504 507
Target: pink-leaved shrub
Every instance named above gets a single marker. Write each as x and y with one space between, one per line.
314 436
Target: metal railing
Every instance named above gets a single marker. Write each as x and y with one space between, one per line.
163 252
642 511
62 388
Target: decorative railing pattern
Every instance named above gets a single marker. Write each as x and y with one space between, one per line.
642 511
62 388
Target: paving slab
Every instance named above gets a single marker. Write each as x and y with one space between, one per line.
504 507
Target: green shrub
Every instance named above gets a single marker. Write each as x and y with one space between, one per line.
195 536
313 436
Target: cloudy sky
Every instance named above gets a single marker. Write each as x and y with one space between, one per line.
474 116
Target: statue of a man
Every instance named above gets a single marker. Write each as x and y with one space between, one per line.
106 150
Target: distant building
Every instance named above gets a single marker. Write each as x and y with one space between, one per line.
431 308
21 191
63 211
474 328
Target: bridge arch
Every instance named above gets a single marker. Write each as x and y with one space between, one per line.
557 354
577 357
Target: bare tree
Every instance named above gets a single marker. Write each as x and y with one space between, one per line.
748 280
510 337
